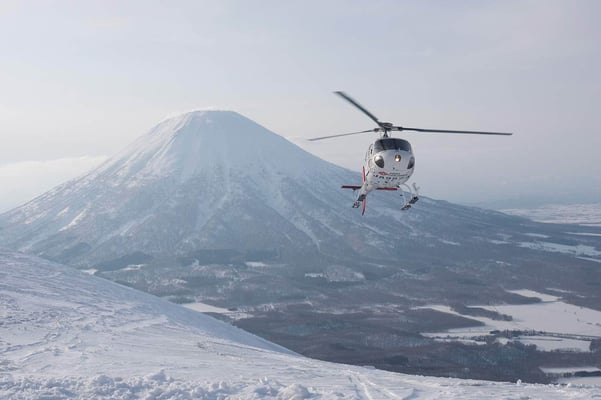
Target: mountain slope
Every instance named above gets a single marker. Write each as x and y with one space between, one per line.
67 335
211 207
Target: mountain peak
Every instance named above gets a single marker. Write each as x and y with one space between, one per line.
199 141
200 116
203 122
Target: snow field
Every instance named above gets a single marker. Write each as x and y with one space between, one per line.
68 335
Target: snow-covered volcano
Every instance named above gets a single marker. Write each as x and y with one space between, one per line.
203 180
215 181
68 335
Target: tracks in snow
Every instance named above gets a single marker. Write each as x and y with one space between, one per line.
368 390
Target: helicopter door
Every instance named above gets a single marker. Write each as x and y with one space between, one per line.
369 153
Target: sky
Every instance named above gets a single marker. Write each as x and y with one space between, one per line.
81 80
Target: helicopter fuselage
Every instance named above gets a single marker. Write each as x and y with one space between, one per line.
389 163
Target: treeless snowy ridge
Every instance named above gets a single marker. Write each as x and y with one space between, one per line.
582 214
67 335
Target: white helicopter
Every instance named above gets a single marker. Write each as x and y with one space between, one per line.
389 162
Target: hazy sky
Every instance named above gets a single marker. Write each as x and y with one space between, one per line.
80 80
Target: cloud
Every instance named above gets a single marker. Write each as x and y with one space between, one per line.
22 181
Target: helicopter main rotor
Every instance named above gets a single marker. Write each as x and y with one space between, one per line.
386 127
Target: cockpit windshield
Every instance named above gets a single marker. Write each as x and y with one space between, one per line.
391 144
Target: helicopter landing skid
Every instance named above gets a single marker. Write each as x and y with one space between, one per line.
359 201
412 194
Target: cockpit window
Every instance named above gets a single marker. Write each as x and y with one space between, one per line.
391 144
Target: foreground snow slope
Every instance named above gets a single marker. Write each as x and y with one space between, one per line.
64 334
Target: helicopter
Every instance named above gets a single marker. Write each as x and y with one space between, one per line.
389 162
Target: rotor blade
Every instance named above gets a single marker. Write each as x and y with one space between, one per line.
342 134
400 128
359 106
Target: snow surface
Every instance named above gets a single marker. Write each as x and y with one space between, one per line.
206 308
256 264
585 380
555 370
551 343
550 315
535 294
547 316
582 214
573 379
68 335
578 250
